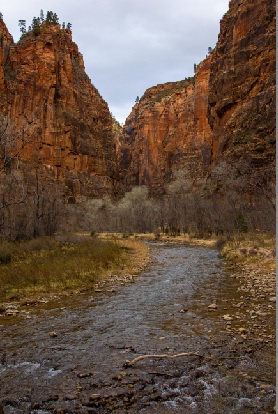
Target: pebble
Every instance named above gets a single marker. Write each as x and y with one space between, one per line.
12 312
94 397
272 299
119 376
264 386
261 313
53 334
212 306
241 330
70 397
227 317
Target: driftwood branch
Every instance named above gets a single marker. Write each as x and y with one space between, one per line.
185 354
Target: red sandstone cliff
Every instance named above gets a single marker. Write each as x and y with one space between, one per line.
226 112
168 130
242 83
50 103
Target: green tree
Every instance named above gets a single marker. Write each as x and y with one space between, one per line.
35 22
51 18
22 26
41 16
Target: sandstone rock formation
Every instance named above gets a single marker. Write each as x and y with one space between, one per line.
168 129
242 86
225 113
214 131
59 117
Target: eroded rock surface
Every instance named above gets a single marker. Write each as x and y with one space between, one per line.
58 115
225 115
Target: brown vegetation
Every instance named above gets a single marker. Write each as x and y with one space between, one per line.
201 213
54 265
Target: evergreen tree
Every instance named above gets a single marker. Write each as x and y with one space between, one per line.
55 19
35 25
36 22
1 16
51 18
41 16
22 26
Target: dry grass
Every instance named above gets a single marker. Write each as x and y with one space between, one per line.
254 249
49 265
182 239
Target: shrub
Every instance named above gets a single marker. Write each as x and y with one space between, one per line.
5 253
220 243
240 223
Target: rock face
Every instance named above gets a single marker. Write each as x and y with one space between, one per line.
59 117
5 41
226 112
242 84
168 129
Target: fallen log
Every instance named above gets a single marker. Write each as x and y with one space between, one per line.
140 358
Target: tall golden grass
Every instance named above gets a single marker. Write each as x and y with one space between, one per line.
54 265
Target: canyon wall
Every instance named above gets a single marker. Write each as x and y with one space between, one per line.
168 130
242 84
224 115
58 117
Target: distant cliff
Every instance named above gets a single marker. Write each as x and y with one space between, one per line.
242 83
168 129
60 119
204 145
225 113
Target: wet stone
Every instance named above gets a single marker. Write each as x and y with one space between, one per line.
94 397
70 397
227 317
84 374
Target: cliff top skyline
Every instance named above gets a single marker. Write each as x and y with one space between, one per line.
129 46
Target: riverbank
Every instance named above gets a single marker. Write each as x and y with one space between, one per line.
152 237
187 301
251 261
252 255
43 269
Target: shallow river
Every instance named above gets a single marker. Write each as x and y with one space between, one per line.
69 356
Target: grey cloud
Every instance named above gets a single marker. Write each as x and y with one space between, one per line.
130 45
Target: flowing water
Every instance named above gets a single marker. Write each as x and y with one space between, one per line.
69 356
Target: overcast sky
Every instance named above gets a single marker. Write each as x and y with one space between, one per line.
131 45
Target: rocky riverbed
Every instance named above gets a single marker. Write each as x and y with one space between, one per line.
69 355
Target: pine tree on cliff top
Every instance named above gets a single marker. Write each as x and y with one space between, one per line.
42 16
52 18
22 26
